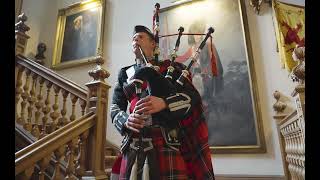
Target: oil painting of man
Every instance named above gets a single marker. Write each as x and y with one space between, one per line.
80 35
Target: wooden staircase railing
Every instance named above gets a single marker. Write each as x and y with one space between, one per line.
62 131
34 104
66 138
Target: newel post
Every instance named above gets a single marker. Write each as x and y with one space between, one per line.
20 34
97 101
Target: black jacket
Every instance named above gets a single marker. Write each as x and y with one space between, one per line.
179 103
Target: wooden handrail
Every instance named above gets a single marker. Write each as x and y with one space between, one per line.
52 76
45 146
288 119
50 136
112 145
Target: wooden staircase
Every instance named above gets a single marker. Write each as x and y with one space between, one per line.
60 127
111 154
23 138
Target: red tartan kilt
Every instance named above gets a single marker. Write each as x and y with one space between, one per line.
170 162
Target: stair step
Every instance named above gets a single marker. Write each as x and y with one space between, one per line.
109 161
109 151
108 172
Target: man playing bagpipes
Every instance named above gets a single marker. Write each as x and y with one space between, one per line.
166 135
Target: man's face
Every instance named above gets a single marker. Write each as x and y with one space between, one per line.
77 24
145 42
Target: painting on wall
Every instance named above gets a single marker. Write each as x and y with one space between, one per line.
79 34
230 98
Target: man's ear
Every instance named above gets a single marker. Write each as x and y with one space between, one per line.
153 44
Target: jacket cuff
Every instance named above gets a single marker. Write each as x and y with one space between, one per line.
119 121
178 104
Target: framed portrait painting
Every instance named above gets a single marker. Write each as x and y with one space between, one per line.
230 98
79 34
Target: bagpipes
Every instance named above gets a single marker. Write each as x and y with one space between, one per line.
164 86
160 85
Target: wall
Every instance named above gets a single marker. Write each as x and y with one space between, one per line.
117 38
42 17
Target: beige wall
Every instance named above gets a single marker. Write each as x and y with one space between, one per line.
42 16
119 22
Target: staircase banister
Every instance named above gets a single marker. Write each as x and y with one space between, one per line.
45 146
288 119
51 135
52 76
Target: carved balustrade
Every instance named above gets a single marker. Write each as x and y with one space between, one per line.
291 128
45 101
67 121
59 145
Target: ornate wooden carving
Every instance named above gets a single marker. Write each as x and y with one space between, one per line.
32 100
63 120
43 163
58 155
74 100
81 159
26 174
83 105
99 73
46 109
39 104
25 96
70 169
292 138
19 92
97 102
55 114
90 127
278 106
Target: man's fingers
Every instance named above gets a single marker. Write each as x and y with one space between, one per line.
131 128
141 116
142 105
146 99
134 125
137 118
144 110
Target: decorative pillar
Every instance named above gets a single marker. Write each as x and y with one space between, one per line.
97 101
20 35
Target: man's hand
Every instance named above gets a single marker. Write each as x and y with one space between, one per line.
135 122
150 105
144 107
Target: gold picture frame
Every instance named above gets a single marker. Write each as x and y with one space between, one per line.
79 34
231 100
